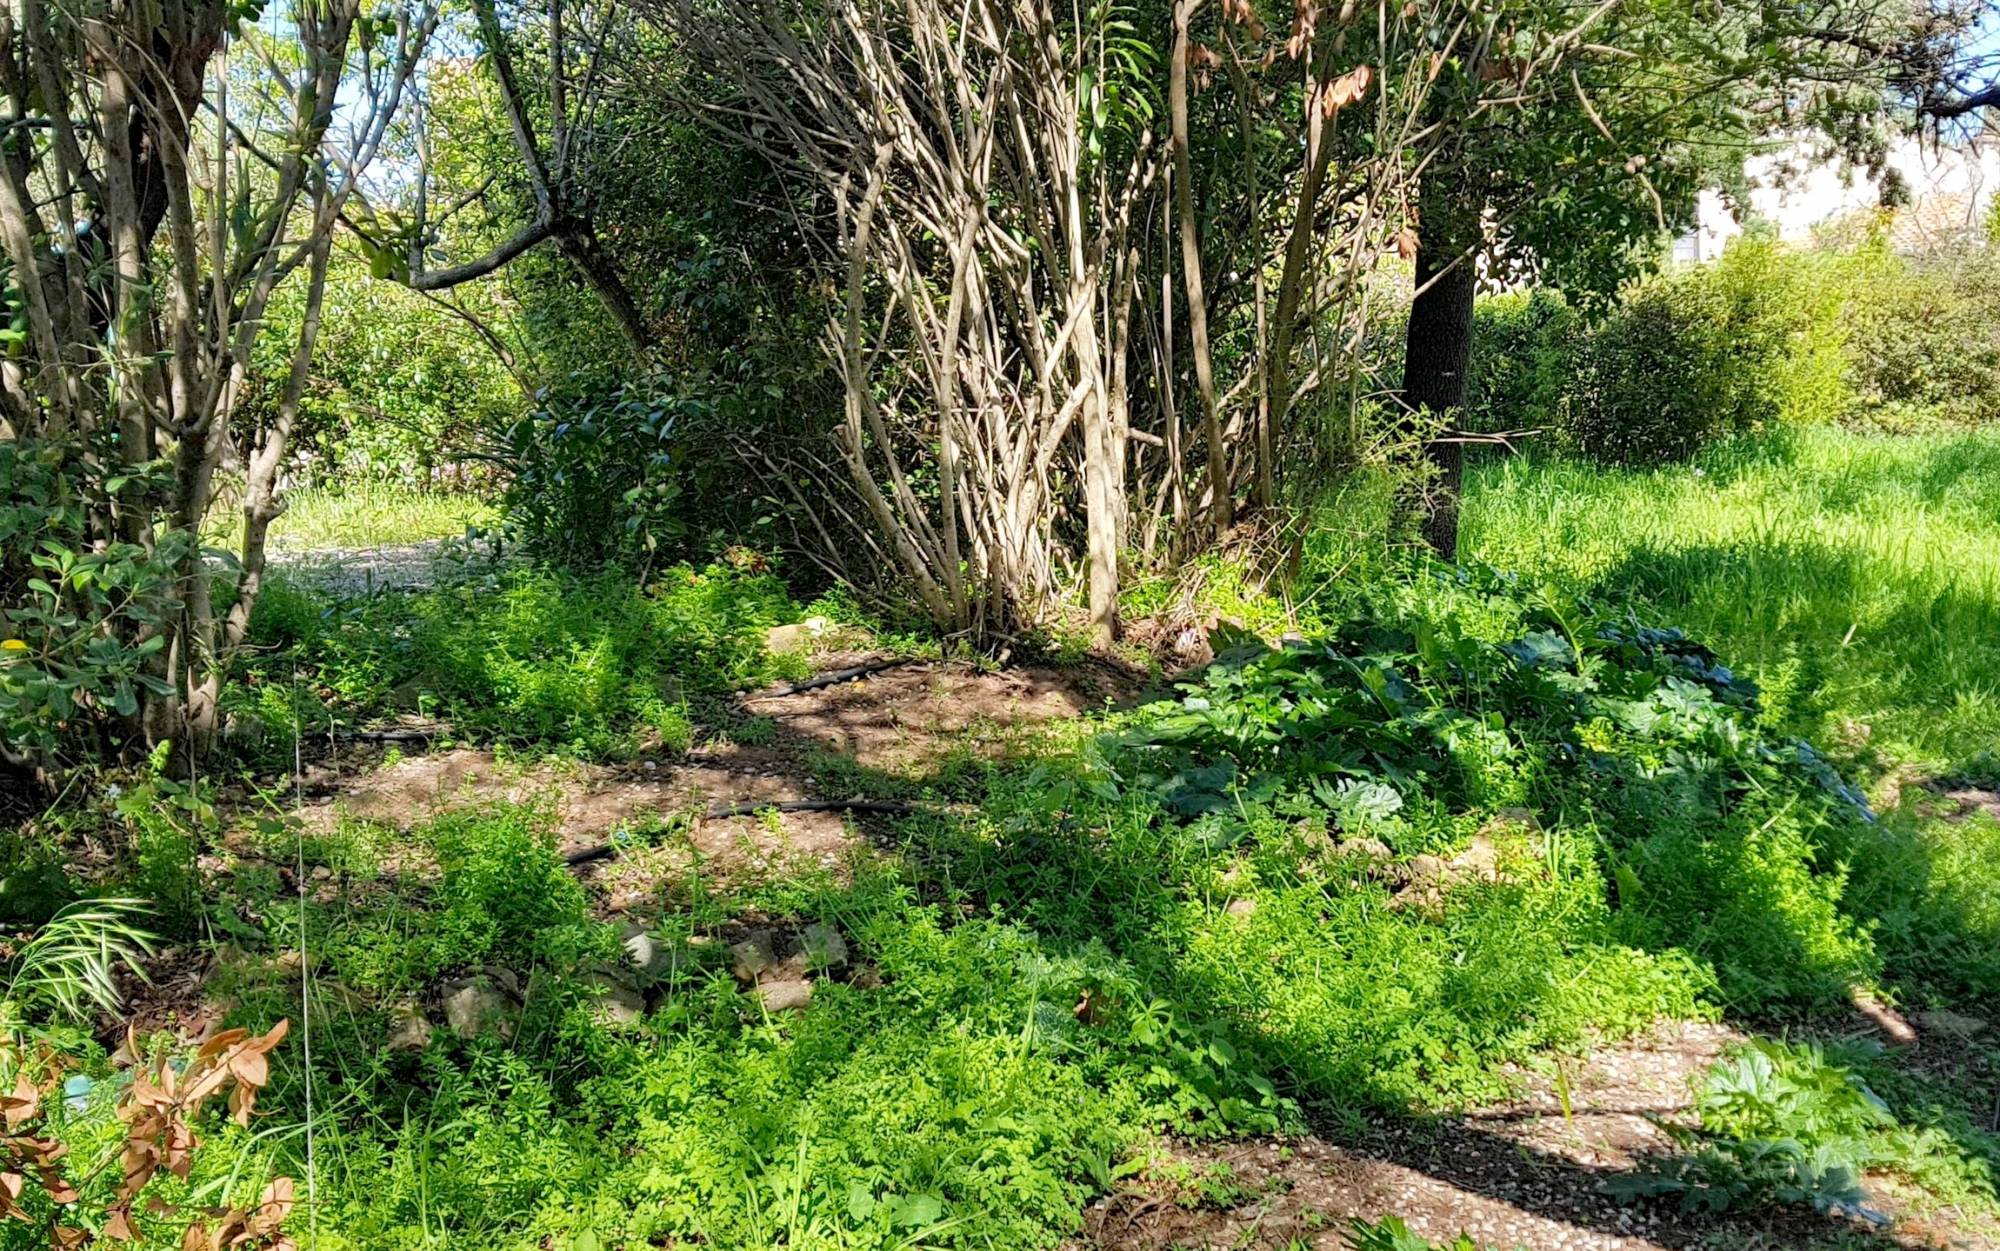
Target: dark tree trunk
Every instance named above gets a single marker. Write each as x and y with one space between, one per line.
577 241
1438 356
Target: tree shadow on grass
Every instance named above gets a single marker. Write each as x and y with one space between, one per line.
1846 652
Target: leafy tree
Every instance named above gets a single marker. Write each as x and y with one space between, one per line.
141 244
1604 158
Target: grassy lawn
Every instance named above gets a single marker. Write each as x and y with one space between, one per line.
1856 578
363 514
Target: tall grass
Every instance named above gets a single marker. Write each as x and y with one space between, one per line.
1856 577
362 513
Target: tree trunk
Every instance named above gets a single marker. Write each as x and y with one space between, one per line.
1438 356
578 243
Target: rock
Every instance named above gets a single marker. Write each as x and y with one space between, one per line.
615 1001
788 995
505 979
409 1028
475 1004
1952 1024
1481 859
650 960
824 948
802 637
752 956
1241 907
1373 850
1427 869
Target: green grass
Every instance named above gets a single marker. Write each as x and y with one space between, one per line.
1856 578
363 513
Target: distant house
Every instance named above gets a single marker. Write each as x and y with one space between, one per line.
1937 195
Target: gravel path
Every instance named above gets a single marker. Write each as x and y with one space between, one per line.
360 570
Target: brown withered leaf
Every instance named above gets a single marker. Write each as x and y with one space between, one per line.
273 1208
22 1105
1406 244
1346 89
118 1223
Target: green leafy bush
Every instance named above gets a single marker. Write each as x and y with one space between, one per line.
1523 350
1785 1123
1694 354
80 639
1925 336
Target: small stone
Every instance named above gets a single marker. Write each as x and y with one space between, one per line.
752 956
409 1028
789 995
1373 850
1241 907
474 1005
321 874
1427 868
1480 859
649 959
824 948
505 979
802 637
615 1002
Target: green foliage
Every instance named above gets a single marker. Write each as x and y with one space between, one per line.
1857 579
400 387
80 624
69 961
1925 335
1785 1123
1695 354
1523 347
1715 831
506 892
585 664
598 483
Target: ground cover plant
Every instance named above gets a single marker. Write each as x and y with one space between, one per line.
1346 877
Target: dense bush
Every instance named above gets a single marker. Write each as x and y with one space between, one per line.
1523 352
1925 336
1691 355
80 622
401 389
1765 336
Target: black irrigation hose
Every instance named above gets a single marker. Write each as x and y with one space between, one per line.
887 807
831 679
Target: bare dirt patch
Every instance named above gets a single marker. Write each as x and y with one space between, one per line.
910 718
1520 1174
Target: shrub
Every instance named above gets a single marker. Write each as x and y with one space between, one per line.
1523 348
1684 357
1925 336
1656 381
